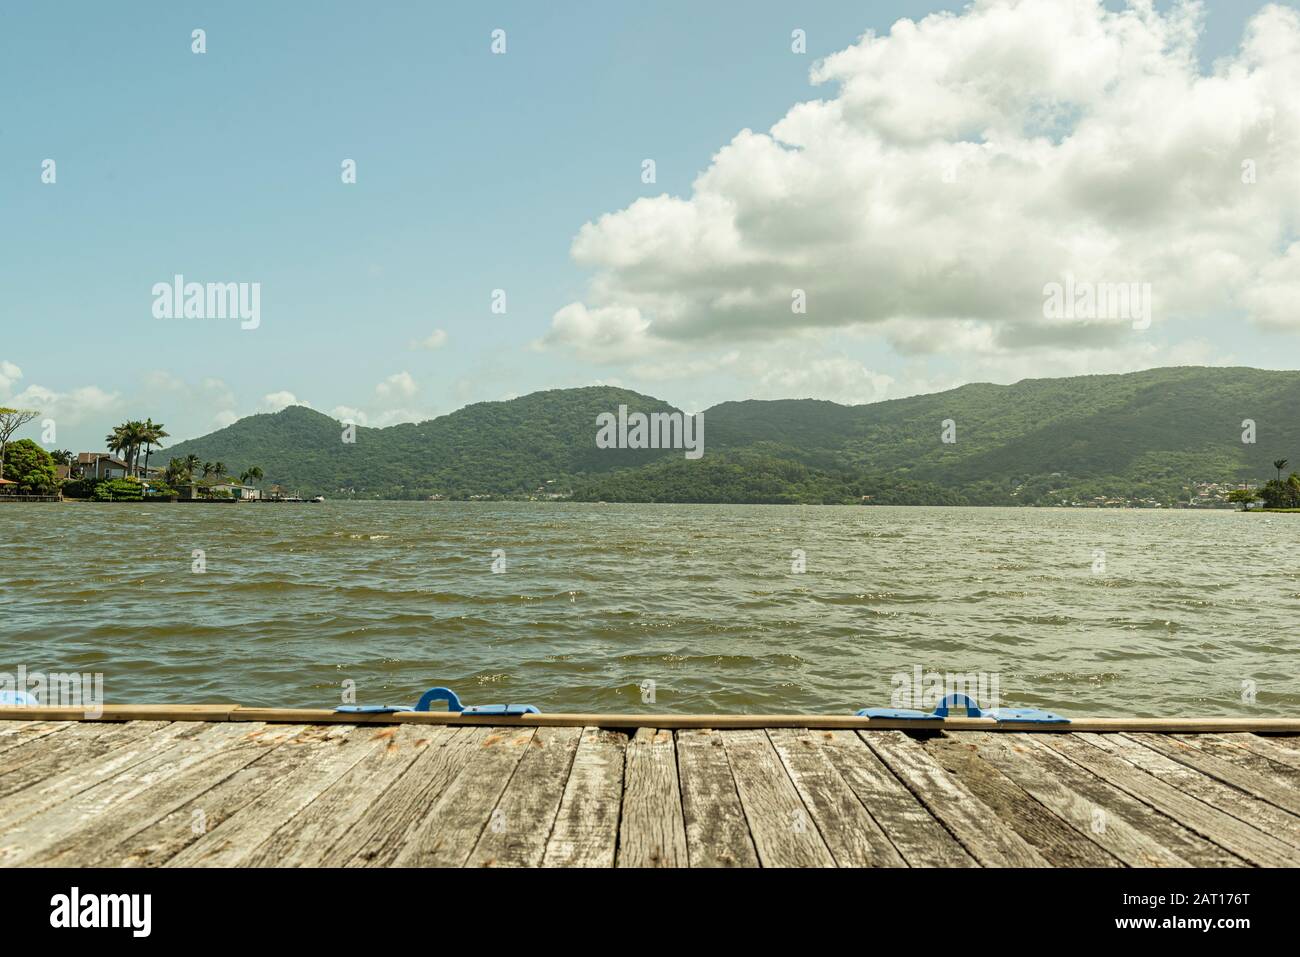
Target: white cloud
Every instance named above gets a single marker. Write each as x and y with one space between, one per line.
9 376
163 381
399 385
958 165
381 420
1273 298
685 367
70 408
614 333
224 418
840 379
346 413
436 340
278 401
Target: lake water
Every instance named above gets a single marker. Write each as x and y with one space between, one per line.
1192 613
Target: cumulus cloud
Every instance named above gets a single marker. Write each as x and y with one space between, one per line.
67 408
278 401
399 385
9 376
610 333
387 417
839 379
958 165
346 413
435 340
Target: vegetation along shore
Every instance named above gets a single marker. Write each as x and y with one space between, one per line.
1164 438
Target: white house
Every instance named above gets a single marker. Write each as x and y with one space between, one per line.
101 465
245 492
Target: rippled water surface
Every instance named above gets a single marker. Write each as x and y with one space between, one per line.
596 599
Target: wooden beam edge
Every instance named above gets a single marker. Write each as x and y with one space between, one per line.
231 712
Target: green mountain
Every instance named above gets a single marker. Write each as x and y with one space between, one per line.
1146 435
490 448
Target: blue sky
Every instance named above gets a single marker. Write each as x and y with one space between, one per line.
475 172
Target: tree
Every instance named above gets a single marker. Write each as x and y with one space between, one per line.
192 464
219 468
251 476
1243 496
126 439
116 440
176 473
31 467
11 420
62 457
1279 464
1280 494
153 435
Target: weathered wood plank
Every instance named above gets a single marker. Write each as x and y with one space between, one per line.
1154 826
16 734
1052 826
652 829
1284 749
1253 773
1133 831
55 827
391 822
784 833
1171 796
452 828
1200 783
988 840
586 826
521 823
231 841
59 787
77 746
285 747
229 792
922 840
155 797
717 834
117 713
758 721
1279 751
305 838
849 830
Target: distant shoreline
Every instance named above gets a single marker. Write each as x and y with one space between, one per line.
520 501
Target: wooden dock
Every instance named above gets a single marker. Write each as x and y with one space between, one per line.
219 790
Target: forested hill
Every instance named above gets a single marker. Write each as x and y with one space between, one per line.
1041 441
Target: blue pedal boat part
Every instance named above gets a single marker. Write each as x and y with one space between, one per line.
973 710
441 694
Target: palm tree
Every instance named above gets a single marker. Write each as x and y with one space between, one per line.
208 469
153 435
192 464
176 472
255 473
127 439
119 443
220 469
1279 464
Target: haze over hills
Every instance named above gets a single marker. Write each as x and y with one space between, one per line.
1145 435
